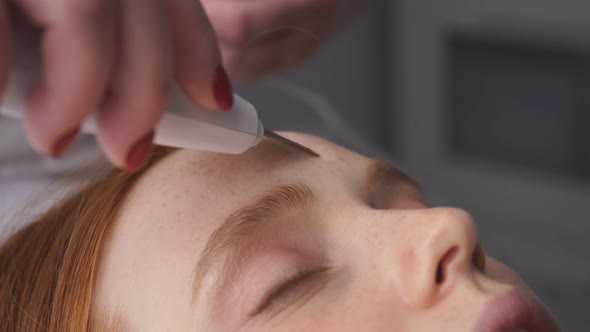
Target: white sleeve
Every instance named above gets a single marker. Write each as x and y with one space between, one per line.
25 175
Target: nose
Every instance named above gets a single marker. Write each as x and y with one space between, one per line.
435 248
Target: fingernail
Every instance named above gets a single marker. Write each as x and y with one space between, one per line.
62 145
222 90
138 154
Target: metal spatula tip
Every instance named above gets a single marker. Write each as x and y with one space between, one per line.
273 135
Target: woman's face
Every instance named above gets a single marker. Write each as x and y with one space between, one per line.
277 240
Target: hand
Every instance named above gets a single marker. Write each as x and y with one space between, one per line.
117 56
261 37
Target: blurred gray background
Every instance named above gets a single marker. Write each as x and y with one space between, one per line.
487 103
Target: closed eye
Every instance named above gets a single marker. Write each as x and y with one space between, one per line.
290 290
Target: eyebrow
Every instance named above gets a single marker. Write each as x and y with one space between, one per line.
242 224
383 174
234 236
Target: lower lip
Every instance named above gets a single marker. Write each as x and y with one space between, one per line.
513 312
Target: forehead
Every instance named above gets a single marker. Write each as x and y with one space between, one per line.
269 163
186 196
195 188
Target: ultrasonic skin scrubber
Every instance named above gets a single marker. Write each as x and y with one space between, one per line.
183 125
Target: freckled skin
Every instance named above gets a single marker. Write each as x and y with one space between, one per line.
383 261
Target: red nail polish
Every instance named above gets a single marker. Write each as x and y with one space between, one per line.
139 152
222 90
62 145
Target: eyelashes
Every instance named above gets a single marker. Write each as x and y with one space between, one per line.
290 290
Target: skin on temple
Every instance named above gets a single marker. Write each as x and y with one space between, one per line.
277 240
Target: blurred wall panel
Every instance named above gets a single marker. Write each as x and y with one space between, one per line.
497 123
349 73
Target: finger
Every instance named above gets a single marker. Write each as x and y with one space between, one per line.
197 60
77 47
140 87
5 45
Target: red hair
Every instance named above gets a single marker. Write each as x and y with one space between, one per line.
47 269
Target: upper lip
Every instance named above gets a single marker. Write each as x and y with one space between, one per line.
515 311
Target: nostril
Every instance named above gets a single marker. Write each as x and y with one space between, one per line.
441 270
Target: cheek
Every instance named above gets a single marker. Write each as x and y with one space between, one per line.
500 272
353 315
359 306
